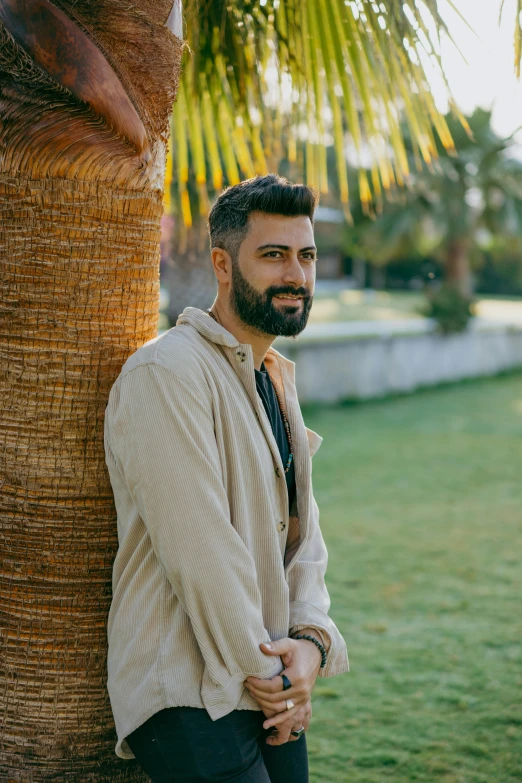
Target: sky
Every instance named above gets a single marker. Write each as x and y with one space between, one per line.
488 78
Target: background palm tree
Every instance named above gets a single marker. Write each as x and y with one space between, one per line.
85 96
460 206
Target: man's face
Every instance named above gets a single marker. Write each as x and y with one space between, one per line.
277 257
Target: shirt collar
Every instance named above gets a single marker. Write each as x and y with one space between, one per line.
207 327
216 333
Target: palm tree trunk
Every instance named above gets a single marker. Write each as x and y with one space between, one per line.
85 96
457 268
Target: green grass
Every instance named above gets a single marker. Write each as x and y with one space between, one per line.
351 305
421 505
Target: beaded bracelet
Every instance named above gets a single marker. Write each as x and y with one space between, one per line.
317 644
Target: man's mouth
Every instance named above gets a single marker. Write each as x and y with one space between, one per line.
288 297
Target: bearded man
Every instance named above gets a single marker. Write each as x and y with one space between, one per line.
219 624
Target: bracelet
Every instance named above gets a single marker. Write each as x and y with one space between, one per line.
317 644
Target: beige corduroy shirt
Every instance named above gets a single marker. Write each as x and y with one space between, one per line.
200 578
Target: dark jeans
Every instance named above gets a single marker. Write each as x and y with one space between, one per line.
184 745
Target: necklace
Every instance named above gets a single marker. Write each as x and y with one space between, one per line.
282 410
286 424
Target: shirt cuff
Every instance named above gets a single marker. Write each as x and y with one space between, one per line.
305 615
322 635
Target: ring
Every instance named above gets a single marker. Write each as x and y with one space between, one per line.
298 732
286 682
289 704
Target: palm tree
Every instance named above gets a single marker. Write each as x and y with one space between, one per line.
86 90
268 74
466 202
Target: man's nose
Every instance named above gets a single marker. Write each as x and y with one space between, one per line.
294 273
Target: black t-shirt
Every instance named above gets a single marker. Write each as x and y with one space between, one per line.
268 396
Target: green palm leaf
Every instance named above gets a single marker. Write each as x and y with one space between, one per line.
517 35
264 77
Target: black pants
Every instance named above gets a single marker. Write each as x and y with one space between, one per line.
184 745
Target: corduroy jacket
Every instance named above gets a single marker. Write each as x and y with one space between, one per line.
200 577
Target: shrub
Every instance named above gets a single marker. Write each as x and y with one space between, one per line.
450 308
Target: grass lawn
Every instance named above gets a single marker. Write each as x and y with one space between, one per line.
421 506
350 305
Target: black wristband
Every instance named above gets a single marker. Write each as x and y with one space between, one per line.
317 644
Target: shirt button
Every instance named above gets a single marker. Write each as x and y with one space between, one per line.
277 472
281 526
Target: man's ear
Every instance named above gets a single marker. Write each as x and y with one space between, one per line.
222 263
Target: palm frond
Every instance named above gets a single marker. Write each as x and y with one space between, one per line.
270 79
517 35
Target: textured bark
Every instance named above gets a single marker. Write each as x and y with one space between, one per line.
80 206
457 267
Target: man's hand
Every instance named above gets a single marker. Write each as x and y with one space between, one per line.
283 732
302 661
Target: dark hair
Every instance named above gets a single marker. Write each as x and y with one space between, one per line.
228 218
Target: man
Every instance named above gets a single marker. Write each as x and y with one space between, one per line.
221 558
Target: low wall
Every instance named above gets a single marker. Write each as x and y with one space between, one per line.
337 363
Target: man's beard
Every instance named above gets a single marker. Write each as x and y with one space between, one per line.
258 313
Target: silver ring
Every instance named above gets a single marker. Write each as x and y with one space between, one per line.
289 704
298 732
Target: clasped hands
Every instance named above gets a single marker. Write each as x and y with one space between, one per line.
302 661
